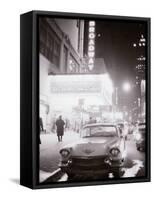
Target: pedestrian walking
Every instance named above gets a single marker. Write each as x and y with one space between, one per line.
41 129
60 128
41 124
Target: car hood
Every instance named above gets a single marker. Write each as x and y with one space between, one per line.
93 146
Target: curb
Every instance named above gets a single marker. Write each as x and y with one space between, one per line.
54 176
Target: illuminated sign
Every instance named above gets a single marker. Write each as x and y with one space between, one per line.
142 87
91 44
76 87
98 85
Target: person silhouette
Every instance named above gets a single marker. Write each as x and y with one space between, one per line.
60 128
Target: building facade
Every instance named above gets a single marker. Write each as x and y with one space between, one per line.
140 73
60 52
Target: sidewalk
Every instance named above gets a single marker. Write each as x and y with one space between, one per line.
49 150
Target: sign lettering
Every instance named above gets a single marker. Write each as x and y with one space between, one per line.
91 45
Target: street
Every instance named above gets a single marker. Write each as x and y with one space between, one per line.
49 157
49 151
93 80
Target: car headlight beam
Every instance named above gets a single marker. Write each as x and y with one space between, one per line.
114 151
64 152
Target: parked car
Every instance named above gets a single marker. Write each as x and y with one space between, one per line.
139 135
100 150
124 128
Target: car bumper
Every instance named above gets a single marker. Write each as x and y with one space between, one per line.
90 166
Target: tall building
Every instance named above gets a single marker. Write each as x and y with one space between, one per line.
61 43
140 60
60 52
140 72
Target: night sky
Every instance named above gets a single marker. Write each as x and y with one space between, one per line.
114 42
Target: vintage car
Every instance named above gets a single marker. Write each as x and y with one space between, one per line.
139 135
100 150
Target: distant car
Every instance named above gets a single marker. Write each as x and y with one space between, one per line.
100 150
140 136
124 129
120 125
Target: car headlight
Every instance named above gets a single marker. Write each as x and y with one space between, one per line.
138 136
114 151
64 152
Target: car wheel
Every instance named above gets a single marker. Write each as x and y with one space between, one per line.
117 173
70 176
139 148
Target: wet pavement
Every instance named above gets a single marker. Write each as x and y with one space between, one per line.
49 158
49 151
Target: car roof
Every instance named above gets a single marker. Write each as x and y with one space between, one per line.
99 124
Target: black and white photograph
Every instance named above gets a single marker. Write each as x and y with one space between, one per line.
92 99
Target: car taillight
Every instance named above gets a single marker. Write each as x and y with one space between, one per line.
114 151
64 152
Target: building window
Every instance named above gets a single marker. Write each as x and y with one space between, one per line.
49 44
65 53
43 38
56 52
73 65
49 47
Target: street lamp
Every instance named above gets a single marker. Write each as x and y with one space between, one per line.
126 87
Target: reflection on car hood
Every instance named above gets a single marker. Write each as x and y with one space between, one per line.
93 146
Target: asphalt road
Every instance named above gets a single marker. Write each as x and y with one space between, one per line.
49 158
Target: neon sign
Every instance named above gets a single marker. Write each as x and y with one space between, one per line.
91 44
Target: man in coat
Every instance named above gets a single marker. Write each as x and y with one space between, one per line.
41 124
41 129
60 128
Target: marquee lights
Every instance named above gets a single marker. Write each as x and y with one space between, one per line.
91 44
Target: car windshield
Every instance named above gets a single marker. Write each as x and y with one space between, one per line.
100 131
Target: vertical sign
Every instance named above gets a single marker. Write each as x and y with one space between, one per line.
91 44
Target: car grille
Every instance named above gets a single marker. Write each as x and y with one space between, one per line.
89 163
